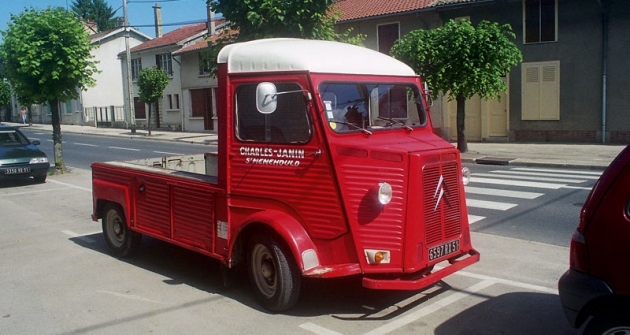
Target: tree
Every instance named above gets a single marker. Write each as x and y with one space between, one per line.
5 95
151 84
461 60
47 59
255 19
97 11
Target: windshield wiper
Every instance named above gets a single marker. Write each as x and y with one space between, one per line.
353 126
392 121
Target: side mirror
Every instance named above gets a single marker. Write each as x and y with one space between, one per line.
266 98
36 142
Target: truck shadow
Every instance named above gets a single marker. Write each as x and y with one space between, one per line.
517 313
344 297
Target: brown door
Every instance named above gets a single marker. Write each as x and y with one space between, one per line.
201 100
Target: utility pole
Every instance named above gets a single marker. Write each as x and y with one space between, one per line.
132 114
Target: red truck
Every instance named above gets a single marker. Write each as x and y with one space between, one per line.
327 166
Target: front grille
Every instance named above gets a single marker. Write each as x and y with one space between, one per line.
440 184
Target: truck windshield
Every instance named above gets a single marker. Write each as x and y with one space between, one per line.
352 107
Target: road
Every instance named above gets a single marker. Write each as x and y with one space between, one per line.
80 150
535 204
57 277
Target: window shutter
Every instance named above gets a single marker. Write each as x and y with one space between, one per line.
540 98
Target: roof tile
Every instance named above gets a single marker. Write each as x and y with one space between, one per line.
359 9
171 38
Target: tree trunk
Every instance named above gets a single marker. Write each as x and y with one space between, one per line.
149 119
60 166
157 115
462 144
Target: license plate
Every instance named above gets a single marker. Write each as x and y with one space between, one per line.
17 170
443 250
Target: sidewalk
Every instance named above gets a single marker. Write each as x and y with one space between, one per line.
589 156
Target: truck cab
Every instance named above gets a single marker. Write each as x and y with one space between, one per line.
327 166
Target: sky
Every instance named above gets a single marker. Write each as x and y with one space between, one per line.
140 12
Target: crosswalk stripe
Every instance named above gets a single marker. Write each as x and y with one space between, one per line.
502 193
501 206
543 174
593 173
561 180
474 218
518 183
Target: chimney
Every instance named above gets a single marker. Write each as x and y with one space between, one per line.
210 23
157 12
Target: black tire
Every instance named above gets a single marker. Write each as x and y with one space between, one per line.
41 178
609 324
273 274
122 241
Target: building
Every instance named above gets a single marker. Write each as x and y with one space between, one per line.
570 87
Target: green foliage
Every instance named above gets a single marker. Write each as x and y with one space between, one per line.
460 59
47 56
256 19
151 84
97 11
5 93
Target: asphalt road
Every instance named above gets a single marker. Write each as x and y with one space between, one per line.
58 278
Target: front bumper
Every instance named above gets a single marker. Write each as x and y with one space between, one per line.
35 170
576 290
422 281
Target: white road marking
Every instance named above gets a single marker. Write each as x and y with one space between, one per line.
559 180
474 218
502 193
78 236
86 144
545 174
518 183
70 185
168 153
313 328
495 205
415 316
34 191
129 149
593 173
578 188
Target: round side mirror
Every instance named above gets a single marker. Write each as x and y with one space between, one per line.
266 98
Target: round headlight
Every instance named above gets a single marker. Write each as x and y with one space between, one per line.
384 193
465 175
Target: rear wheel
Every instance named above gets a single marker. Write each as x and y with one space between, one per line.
121 240
609 324
273 274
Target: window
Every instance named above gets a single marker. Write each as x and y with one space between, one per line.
540 20
68 107
288 124
204 65
165 62
136 66
173 101
139 108
352 107
387 35
541 91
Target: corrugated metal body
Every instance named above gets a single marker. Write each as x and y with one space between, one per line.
440 185
152 207
193 215
308 189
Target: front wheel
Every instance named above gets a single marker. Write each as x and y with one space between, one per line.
609 324
121 240
273 274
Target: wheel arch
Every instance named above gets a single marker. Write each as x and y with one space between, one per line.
282 226
104 192
603 306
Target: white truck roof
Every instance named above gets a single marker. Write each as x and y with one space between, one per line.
289 54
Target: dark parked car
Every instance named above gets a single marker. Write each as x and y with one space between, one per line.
19 157
596 288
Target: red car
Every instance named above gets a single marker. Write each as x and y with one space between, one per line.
596 288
